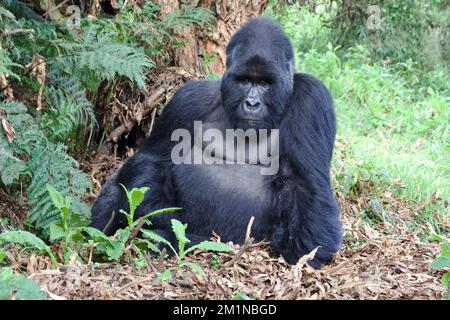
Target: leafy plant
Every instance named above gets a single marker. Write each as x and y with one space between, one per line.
179 230
101 56
77 237
71 226
26 238
32 159
442 262
18 287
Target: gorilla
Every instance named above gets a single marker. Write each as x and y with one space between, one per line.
293 204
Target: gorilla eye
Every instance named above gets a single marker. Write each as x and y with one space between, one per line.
245 82
263 83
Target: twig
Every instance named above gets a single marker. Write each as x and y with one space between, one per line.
113 215
151 103
161 257
248 241
181 283
127 126
135 231
11 32
132 284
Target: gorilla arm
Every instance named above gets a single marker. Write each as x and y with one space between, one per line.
306 212
150 166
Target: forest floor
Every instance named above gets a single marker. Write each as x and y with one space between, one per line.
387 260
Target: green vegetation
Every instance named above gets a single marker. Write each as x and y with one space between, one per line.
393 120
391 88
179 230
17 286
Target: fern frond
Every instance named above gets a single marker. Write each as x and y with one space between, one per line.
99 53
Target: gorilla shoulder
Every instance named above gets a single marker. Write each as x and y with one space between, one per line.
305 83
193 95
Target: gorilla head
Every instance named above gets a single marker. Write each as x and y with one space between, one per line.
259 78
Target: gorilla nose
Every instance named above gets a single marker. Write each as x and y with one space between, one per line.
252 104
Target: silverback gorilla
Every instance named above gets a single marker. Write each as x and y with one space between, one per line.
294 208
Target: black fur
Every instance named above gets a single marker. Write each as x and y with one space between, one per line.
294 209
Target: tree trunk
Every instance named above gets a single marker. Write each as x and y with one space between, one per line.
211 42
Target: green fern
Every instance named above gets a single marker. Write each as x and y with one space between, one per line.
48 163
187 16
103 55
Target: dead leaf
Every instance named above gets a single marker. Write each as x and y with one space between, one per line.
9 130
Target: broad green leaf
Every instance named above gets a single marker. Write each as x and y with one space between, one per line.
152 247
445 249
164 276
445 279
25 289
135 197
210 246
195 267
123 234
115 250
57 198
56 232
441 262
154 236
2 255
27 238
95 234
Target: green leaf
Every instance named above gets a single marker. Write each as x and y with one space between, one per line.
115 250
95 234
27 238
445 279
441 262
57 198
161 211
152 247
164 276
445 249
211 246
2 255
241 296
195 267
56 232
135 197
25 289
180 231
154 236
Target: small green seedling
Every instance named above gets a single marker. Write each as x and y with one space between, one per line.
71 226
179 230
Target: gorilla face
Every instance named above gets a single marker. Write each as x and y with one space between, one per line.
258 81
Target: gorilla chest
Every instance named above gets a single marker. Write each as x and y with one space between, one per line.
224 196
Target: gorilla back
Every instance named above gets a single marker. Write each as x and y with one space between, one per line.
293 206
